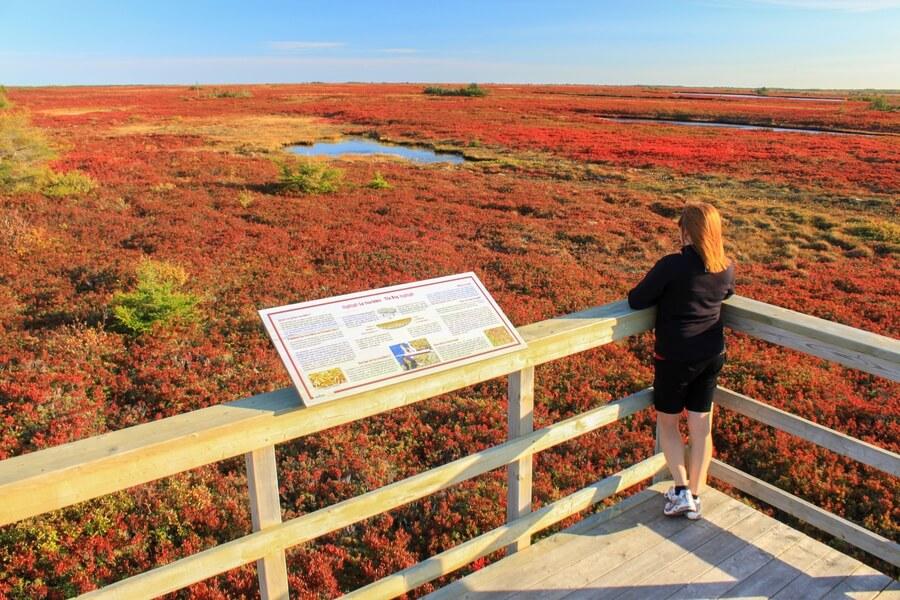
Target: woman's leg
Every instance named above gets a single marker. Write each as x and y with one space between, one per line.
672 446
700 429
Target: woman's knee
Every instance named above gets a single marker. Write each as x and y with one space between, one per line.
699 424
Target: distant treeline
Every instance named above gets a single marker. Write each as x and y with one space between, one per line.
470 90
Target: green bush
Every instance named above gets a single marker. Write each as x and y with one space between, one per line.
310 177
471 90
881 103
230 94
379 182
4 101
157 298
72 183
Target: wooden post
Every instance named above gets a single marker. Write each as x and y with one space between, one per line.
265 511
521 422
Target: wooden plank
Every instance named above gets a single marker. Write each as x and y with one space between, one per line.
693 535
780 572
674 575
461 555
520 422
572 541
252 547
533 564
864 584
845 345
866 453
717 581
563 562
553 576
852 533
265 511
891 592
555 553
49 479
821 577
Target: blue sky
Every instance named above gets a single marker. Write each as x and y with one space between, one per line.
752 43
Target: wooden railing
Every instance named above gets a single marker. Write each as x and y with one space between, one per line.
57 477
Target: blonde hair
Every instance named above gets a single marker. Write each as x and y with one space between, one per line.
703 223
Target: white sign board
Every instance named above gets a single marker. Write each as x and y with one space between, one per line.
343 345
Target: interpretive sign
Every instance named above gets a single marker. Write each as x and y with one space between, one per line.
343 345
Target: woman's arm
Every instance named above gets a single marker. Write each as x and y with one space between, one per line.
729 292
648 291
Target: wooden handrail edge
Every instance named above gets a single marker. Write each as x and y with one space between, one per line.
848 346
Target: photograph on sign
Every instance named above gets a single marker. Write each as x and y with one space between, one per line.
335 347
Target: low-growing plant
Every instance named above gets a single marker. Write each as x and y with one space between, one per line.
4 101
158 297
70 183
166 186
245 199
23 152
230 94
879 232
379 182
881 103
473 89
309 177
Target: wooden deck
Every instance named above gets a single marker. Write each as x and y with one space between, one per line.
632 551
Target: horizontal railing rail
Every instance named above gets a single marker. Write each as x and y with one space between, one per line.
848 346
57 477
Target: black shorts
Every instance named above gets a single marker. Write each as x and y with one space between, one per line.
678 385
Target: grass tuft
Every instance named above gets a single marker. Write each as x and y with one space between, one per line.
379 182
23 152
71 183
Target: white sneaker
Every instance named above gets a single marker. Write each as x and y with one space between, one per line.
694 515
682 503
670 494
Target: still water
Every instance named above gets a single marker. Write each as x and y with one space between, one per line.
363 146
728 125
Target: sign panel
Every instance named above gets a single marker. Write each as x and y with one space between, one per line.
343 345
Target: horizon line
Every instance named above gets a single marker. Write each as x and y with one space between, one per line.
422 82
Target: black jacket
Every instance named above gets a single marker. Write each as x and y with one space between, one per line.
689 303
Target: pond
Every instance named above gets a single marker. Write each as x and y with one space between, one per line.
728 125
364 146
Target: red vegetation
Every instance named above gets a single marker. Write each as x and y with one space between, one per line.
564 210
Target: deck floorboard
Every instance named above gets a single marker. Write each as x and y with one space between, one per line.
635 553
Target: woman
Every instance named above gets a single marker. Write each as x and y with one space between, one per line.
688 289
